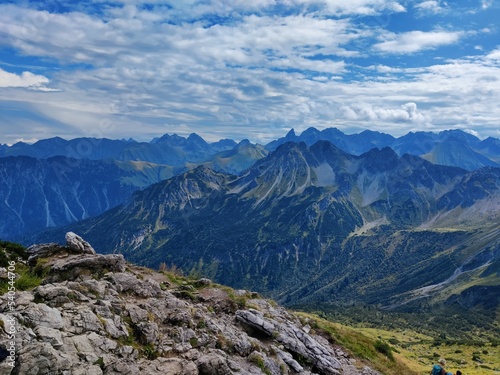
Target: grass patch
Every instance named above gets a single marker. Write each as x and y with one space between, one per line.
374 352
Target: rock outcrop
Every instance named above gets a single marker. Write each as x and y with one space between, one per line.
94 314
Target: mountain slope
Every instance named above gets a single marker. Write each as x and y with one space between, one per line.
87 313
237 159
311 225
36 194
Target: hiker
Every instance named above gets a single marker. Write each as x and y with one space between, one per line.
438 368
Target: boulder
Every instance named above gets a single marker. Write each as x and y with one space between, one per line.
170 366
73 266
77 244
213 364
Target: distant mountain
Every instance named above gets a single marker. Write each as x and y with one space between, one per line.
450 147
36 194
354 144
236 160
314 225
114 169
173 150
78 148
490 147
455 152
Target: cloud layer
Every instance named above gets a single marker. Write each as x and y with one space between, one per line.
245 69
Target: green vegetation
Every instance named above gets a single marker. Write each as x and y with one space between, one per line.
373 351
415 340
13 257
10 251
257 359
100 363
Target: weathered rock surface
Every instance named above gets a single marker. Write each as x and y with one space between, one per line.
77 243
94 314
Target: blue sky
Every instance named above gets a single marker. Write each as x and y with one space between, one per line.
247 69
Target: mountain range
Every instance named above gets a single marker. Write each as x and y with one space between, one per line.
316 226
449 147
82 161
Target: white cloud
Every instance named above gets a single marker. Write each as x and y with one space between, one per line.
365 111
431 6
415 41
363 7
254 73
25 79
473 132
494 55
485 4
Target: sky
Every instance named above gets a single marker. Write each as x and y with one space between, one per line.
247 68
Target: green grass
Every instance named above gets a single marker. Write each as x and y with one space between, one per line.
27 280
420 351
374 352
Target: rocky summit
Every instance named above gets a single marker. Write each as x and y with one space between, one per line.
97 314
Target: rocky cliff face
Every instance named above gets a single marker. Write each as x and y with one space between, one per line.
96 314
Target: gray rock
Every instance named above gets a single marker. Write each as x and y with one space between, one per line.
73 266
87 321
42 251
88 370
265 363
293 339
50 335
147 332
122 367
213 364
126 282
78 244
136 313
170 366
288 359
82 347
115 327
40 314
42 358
93 317
57 295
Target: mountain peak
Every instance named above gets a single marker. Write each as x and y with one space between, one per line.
380 159
310 131
195 138
244 142
291 134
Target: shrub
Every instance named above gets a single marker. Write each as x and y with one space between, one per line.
384 348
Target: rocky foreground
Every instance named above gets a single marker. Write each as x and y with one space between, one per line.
96 314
